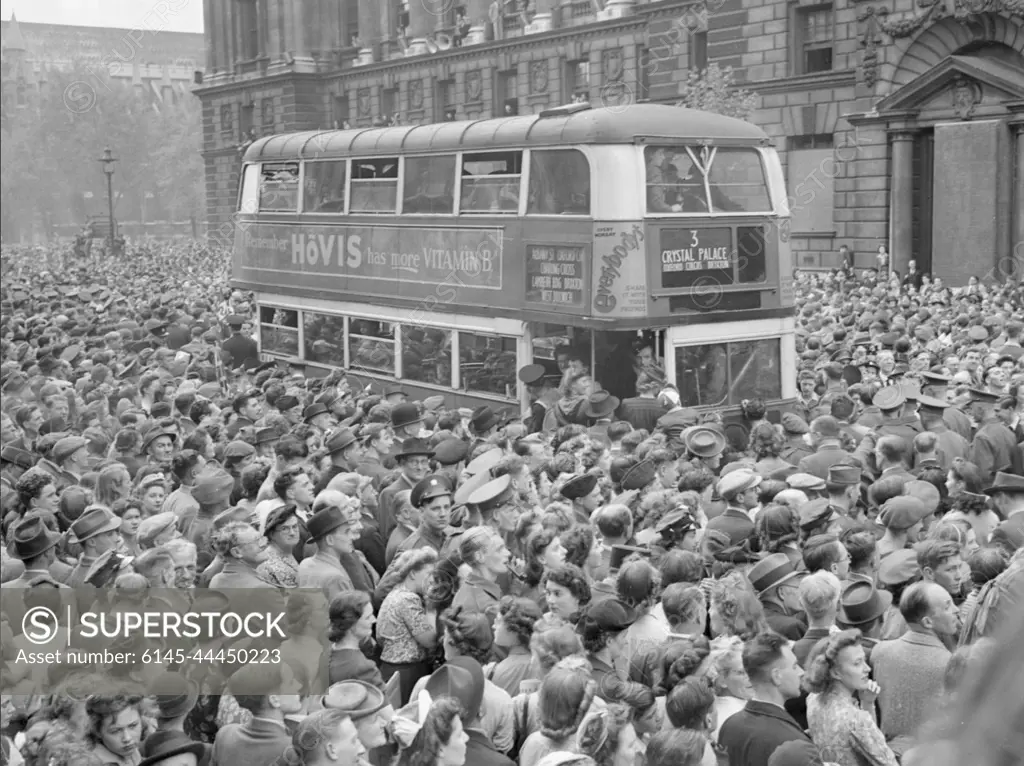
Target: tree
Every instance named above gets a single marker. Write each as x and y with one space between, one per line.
714 90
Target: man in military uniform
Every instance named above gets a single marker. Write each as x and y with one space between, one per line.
796 448
892 400
432 497
844 497
951 445
956 420
542 396
738 489
994 448
826 439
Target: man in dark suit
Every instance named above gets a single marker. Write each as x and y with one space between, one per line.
262 740
778 587
543 395
825 436
243 350
754 733
644 409
739 489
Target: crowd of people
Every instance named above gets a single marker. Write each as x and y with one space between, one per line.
612 583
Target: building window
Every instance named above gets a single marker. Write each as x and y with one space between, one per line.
446 107
698 57
279 331
227 121
508 93
249 26
644 65
389 103
341 113
814 38
577 80
245 121
810 182
267 115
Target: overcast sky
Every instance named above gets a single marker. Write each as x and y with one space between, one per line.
167 15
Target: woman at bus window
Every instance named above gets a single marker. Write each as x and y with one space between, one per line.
576 387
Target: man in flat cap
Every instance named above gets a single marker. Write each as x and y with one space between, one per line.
739 490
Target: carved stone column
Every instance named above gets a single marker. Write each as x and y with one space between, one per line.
369 31
421 25
901 203
1017 245
478 15
543 17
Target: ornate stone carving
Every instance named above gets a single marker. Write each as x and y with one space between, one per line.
869 17
934 10
539 76
966 95
614 90
416 94
364 102
474 85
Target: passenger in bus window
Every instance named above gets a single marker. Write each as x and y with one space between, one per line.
658 191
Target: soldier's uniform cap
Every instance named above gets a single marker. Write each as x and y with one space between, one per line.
978 334
579 486
844 474
888 340
794 424
935 379
266 434
902 512
805 482
313 410
450 451
984 397
532 373
236 320
931 403
154 526
814 512
17 456
286 402
737 481
898 567
639 475
681 518
238 449
492 494
889 398
427 488
485 462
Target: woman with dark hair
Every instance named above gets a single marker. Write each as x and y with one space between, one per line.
985 564
352 620
837 675
602 629
117 726
609 738
764 446
735 609
691 706
513 629
584 549
566 696
131 519
676 747
113 484
778 530
406 630
566 592
964 476
544 551
441 740
976 510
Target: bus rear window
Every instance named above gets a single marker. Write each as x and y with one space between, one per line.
324 187
701 179
559 183
490 182
279 186
374 185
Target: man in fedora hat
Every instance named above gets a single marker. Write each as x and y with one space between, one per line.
406 423
862 606
600 407
96 530
334 531
1007 493
345 452
413 460
483 424
369 710
777 584
36 546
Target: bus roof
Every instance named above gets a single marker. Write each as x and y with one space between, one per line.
606 125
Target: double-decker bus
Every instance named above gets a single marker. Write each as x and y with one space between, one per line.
441 258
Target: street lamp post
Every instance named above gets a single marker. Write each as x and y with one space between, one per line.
108 161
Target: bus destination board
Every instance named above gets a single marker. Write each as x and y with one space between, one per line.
687 255
554 275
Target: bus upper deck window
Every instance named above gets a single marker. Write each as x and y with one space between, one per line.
559 183
249 196
279 186
737 182
324 187
490 182
374 185
429 185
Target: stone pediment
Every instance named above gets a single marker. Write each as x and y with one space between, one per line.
965 79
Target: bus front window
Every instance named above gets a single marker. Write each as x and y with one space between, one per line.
701 179
723 374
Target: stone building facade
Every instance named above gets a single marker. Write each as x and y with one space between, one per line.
900 122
